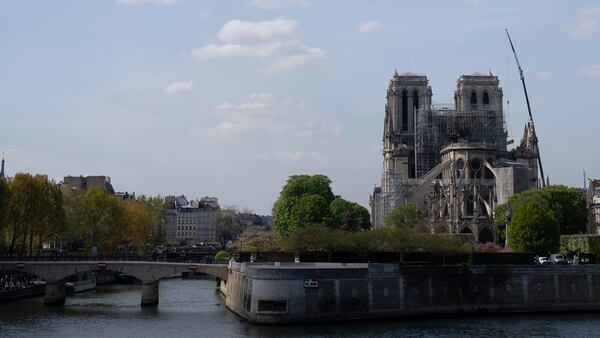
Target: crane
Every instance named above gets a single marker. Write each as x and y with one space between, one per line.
535 141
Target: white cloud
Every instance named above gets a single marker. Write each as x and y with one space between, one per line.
264 115
178 87
545 75
369 26
278 4
592 71
296 156
587 22
236 30
271 41
142 2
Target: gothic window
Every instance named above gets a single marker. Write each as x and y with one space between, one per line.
416 100
486 101
473 101
470 206
404 110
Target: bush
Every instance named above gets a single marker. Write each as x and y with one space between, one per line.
223 255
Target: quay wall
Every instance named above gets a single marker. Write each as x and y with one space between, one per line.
305 292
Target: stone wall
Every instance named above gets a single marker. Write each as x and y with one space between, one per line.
287 292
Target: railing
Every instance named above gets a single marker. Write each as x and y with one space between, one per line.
164 259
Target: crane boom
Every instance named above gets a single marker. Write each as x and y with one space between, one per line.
535 141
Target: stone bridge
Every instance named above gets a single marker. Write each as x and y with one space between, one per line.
54 273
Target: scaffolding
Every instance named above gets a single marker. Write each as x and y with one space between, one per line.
436 128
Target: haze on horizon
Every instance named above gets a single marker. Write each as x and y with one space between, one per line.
229 98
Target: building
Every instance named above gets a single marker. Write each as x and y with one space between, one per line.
593 204
191 221
83 183
451 160
2 175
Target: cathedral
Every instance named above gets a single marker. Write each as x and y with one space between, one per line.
451 160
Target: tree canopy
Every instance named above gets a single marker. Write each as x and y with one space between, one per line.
548 206
306 199
403 216
534 228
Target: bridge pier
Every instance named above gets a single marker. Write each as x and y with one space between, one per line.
150 293
54 293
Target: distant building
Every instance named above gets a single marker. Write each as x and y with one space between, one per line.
124 195
191 220
451 161
2 175
83 183
593 204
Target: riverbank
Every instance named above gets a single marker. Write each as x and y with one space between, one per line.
277 293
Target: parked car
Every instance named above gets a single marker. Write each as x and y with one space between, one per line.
558 259
542 260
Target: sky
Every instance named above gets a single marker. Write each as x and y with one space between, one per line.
230 98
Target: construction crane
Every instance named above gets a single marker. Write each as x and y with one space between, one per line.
535 141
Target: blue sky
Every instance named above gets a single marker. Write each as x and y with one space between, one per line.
229 98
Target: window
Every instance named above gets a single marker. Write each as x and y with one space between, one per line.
404 110
486 101
473 101
272 305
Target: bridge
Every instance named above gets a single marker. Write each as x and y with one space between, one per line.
54 273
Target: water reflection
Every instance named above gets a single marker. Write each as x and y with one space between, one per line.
194 308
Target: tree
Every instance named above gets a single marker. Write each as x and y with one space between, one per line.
533 227
34 213
139 224
4 201
348 216
308 209
103 220
403 216
297 187
228 225
155 207
569 207
256 239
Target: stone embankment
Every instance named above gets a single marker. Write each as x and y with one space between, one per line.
305 292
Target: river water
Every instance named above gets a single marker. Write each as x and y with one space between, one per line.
193 308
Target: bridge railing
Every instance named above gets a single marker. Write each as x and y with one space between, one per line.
177 259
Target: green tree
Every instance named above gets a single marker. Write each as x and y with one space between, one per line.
228 225
256 239
309 209
348 215
403 216
4 201
297 187
569 207
534 227
156 207
139 224
73 232
34 213
103 220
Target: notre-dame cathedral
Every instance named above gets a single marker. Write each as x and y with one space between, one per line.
451 161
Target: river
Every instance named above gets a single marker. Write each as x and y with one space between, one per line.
193 308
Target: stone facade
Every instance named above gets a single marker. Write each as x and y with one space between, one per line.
304 292
451 161
83 183
193 221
